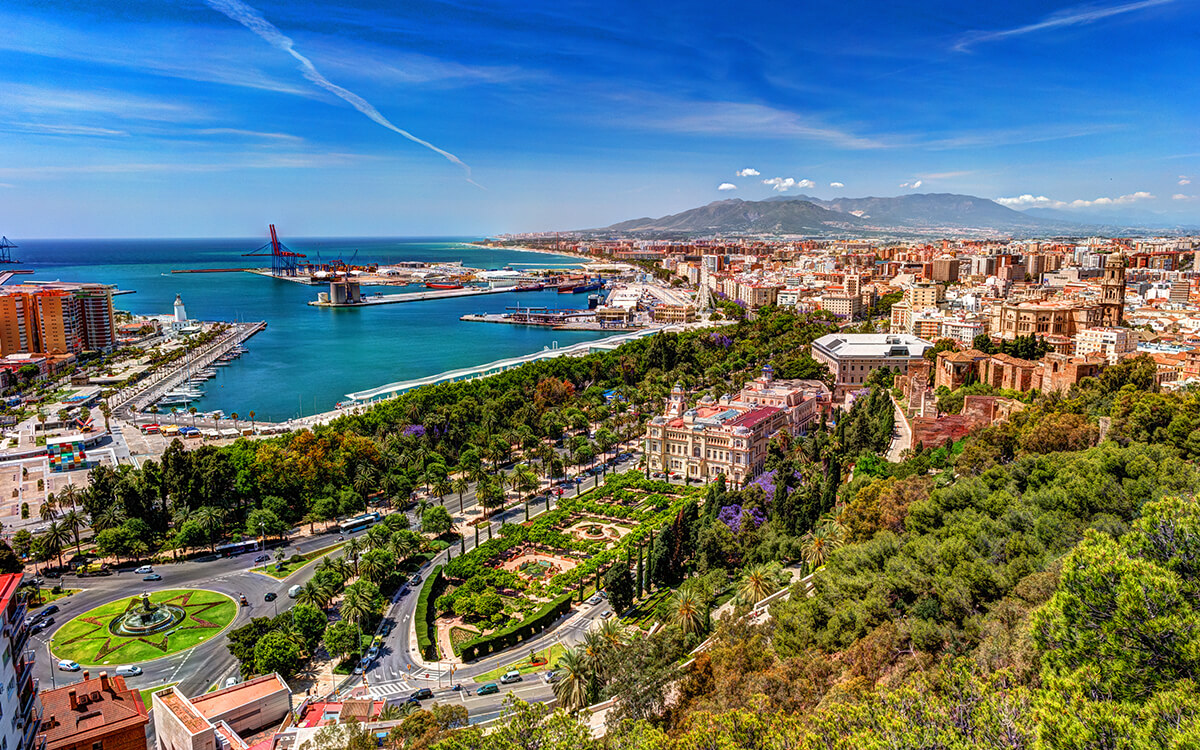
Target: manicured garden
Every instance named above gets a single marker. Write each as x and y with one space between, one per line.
544 660
519 583
92 639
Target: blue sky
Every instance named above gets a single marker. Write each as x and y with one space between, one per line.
214 117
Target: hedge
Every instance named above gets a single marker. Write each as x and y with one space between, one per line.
515 634
426 635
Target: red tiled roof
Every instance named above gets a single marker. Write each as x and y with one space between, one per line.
106 712
754 416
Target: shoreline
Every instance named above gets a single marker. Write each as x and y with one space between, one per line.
521 248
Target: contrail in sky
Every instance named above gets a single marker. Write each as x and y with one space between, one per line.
253 20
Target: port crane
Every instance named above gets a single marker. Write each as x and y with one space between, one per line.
6 246
284 262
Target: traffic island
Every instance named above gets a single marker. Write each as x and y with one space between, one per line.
145 627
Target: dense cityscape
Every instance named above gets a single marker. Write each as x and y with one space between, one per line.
468 375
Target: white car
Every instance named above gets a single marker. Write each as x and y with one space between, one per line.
128 670
66 665
145 569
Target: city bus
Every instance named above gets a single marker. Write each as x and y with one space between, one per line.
350 525
236 548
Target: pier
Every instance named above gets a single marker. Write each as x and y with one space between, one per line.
395 299
492 368
145 393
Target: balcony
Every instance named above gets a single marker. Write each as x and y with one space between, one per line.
18 634
29 737
29 701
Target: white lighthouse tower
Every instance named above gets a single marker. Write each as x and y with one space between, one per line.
181 318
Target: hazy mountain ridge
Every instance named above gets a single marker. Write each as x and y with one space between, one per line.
803 214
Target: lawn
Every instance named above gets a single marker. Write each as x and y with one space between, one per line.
48 596
88 640
290 568
524 666
148 694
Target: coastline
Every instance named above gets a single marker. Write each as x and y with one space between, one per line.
522 248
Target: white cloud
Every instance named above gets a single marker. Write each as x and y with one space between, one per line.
911 185
836 185
726 186
748 172
1041 201
1070 17
1184 180
806 184
781 184
1182 197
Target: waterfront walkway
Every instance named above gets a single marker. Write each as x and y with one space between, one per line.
492 368
394 299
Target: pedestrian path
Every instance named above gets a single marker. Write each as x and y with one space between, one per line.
387 690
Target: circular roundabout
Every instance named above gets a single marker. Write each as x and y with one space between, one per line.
144 627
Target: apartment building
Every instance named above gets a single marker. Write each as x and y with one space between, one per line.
20 712
1110 343
101 713
56 319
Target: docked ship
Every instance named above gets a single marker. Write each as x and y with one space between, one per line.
529 287
443 285
580 287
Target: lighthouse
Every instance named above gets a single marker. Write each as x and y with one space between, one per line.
180 313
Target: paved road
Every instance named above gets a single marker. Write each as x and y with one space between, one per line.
901 436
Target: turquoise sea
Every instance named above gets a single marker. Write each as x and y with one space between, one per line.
308 358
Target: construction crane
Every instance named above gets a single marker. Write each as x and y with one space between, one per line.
5 247
284 262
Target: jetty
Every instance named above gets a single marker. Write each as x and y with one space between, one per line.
395 299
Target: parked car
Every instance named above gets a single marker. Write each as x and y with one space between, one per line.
488 689
510 676
51 609
605 615
416 579
420 695
152 577
66 665
262 558
294 591
552 677
363 665
594 599
128 670
270 596
387 629
145 569
373 651
231 681
41 625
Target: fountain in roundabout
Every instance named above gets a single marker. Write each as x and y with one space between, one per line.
146 618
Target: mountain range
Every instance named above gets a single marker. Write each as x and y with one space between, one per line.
918 213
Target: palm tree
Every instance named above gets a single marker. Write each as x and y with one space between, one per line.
41 417
351 550
572 689
48 507
74 520
192 410
251 415
364 479
111 517
57 536
402 546
315 594
234 417
139 549
376 564
69 494
210 519
377 537
818 544
356 609
106 410
758 583
613 632
441 488
344 568
460 486
687 611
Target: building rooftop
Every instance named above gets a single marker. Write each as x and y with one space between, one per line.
90 709
223 701
872 345
754 416
179 706
8 588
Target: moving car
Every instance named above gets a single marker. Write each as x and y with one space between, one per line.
262 558
66 665
129 670
294 591
145 569
488 689
415 579
41 625
152 577
387 629
552 677
363 665
596 599
420 695
373 651
270 596
510 676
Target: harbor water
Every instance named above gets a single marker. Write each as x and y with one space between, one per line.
308 358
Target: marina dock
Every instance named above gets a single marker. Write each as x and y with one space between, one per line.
395 299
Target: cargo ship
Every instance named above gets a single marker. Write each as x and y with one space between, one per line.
583 286
443 285
528 287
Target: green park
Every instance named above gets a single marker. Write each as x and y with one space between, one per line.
141 628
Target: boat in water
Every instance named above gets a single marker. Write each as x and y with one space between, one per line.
584 286
528 287
443 285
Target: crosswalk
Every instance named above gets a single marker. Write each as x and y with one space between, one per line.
387 675
386 690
